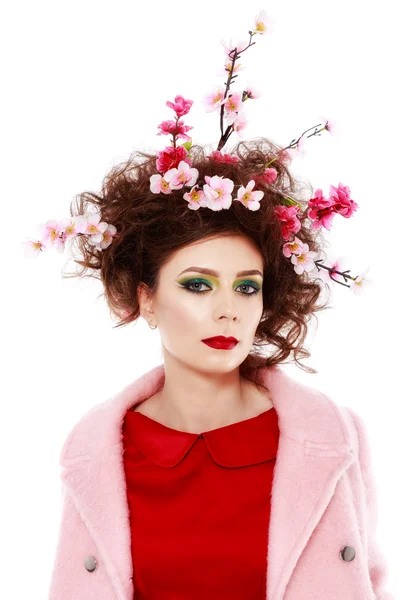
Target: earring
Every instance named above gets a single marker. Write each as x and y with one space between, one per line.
149 324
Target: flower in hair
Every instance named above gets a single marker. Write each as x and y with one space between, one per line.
218 191
159 185
180 106
176 128
304 260
287 216
183 175
195 198
171 157
219 157
175 171
248 198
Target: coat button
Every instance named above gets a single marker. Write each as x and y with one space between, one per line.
347 553
90 563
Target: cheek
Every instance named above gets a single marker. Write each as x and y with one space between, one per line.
185 316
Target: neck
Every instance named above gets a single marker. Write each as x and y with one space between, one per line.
194 400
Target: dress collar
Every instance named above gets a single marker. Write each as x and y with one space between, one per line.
240 444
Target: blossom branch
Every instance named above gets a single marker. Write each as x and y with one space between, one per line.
225 136
331 270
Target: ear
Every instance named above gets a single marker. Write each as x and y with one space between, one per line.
145 302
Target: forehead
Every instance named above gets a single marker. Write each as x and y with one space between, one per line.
226 255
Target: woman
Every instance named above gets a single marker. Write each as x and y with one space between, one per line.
215 474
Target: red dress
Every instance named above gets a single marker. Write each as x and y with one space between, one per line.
199 508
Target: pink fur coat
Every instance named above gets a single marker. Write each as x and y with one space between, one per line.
322 536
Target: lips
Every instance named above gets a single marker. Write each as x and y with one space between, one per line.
221 342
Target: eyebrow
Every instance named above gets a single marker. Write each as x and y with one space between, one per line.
216 274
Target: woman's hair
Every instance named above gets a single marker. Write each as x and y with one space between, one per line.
151 227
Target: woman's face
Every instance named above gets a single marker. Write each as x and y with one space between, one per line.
191 305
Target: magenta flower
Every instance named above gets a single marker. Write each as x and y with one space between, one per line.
171 157
220 157
289 221
180 106
270 174
321 210
343 204
177 129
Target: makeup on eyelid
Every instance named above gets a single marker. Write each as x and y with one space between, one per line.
187 282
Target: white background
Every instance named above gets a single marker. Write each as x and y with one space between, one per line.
86 83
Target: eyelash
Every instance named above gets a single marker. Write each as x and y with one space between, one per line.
190 282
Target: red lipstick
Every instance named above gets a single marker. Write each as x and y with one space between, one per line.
221 342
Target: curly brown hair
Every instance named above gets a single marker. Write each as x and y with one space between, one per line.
150 227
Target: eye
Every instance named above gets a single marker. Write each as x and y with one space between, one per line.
190 284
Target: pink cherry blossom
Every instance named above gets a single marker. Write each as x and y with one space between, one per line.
228 67
252 91
159 185
51 234
361 283
239 124
103 239
249 199
195 198
96 229
293 247
214 100
264 23
218 192
183 175
289 221
32 248
180 106
71 226
233 105
304 261
241 45
177 129
330 124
